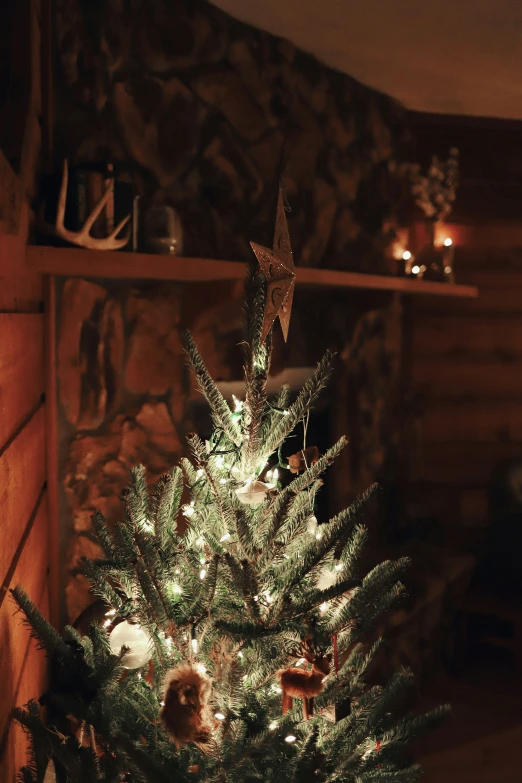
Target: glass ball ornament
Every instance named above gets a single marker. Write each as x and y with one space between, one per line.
137 639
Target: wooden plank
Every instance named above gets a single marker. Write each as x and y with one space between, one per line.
31 573
461 463
462 380
77 262
21 368
31 684
22 474
20 288
478 420
439 335
51 440
500 292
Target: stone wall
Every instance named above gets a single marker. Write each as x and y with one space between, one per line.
205 112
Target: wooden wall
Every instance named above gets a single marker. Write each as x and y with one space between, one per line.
466 356
24 542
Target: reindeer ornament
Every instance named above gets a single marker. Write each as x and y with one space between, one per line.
299 683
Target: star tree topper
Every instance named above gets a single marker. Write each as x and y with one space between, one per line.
277 266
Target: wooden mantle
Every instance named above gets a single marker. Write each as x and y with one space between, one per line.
77 262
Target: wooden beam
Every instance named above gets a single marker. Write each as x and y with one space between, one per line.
51 441
77 262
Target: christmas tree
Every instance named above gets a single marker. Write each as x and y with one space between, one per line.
236 629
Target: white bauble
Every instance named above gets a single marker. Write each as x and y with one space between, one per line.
253 493
137 639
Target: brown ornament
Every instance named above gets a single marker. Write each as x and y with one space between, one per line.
303 459
278 267
186 713
301 684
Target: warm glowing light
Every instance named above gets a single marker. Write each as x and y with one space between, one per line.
220 461
275 474
406 255
238 404
194 645
222 480
415 269
168 641
319 535
240 654
256 598
162 703
219 716
323 608
290 738
338 566
199 473
447 269
278 689
272 726
202 560
300 662
225 537
199 541
189 510
286 413
107 623
201 669
448 242
202 573
176 589
110 613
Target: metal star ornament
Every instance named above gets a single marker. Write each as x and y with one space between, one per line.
278 267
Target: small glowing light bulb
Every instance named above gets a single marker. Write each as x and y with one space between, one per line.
238 404
278 690
199 541
256 598
200 668
177 571
162 703
290 738
110 613
188 510
194 645
220 461
225 537
107 623
139 675
272 726
286 413
275 474
176 589
339 566
240 654
447 269
199 473
235 469
415 269
168 641
202 573
245 677
406 255
222 480
202 560
318 535
323 608
448 242
300 662
219 716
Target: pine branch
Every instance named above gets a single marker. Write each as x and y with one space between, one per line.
221 413
305 399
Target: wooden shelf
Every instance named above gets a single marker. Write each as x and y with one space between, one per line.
77 262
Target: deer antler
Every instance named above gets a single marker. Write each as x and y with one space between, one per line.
83 237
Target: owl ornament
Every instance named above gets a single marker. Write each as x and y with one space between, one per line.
186 713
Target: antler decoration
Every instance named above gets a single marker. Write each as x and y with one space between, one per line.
83 237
